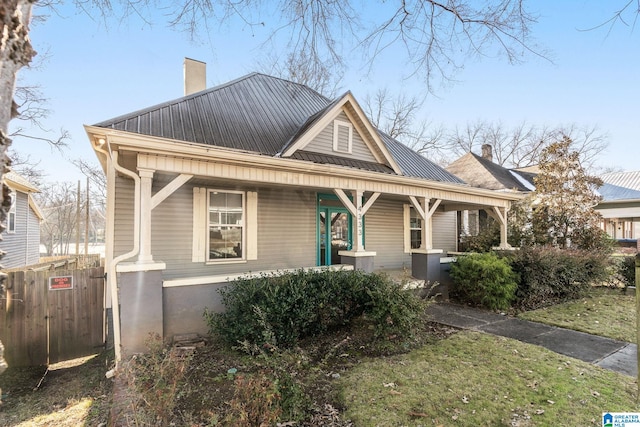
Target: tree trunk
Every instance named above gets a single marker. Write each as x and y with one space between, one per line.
15 52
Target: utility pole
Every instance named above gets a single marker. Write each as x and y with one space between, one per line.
78 220
86 222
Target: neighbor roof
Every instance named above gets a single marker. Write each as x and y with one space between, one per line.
623 179
17 182
611 193
480 172
261 114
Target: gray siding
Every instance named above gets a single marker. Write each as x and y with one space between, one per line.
384 234
283 217
22 247
445 230
323 143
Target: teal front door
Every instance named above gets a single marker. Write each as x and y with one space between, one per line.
334 234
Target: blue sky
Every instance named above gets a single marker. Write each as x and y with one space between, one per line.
97 69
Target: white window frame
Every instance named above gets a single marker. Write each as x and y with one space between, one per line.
336 136
11 216
242 225
412 213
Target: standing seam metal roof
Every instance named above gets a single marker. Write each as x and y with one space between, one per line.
261 114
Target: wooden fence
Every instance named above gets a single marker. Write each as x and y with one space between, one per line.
53 315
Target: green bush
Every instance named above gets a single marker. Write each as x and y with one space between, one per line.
279 310
625 270
549 275
484 280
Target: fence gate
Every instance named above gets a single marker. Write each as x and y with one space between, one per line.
51 316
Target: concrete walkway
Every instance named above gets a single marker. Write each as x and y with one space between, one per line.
607 353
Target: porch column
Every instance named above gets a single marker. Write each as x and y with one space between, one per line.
465 223
359 222
146 180
357 256
501 215
425 261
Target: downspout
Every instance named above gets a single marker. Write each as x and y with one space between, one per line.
111 274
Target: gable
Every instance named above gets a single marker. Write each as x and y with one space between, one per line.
342 130
341 138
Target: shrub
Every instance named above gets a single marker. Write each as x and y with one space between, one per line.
255 402
280 310
485 280
154 380
625 270
548 275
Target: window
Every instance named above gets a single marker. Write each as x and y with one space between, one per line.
415 225
11 220
342 136
226 225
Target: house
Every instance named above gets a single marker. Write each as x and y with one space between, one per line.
482 172
21 239
254 176
620 206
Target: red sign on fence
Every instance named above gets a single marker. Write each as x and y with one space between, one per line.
60 282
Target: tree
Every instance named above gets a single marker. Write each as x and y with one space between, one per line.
562 205
516 147
324 78
32 108
59 202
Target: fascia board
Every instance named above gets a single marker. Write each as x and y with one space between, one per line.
137 143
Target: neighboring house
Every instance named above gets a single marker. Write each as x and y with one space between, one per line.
482 172
620 206
257 175
21 239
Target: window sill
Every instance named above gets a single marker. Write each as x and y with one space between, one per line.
225 261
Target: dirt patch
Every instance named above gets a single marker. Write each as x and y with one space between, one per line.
305 375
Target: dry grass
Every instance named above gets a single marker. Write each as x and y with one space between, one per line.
73 393
605 312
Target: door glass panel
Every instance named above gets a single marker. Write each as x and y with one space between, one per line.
323 238
339 235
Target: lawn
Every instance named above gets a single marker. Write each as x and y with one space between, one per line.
438 376
605 312
475 379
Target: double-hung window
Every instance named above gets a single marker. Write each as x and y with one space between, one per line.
226 225
415 225
11 220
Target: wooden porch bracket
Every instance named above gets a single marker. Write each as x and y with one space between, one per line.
358 210
169 189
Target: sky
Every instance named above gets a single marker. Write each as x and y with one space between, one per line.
95 69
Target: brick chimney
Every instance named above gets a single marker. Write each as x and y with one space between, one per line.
195 76
487 152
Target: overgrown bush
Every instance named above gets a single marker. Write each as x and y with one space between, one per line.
255 402
154 379
625 270
484 280
488 237
279 310
548 275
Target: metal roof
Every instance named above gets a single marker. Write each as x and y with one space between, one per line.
253 113
610 193
623 179
262 114
341 161
416 165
